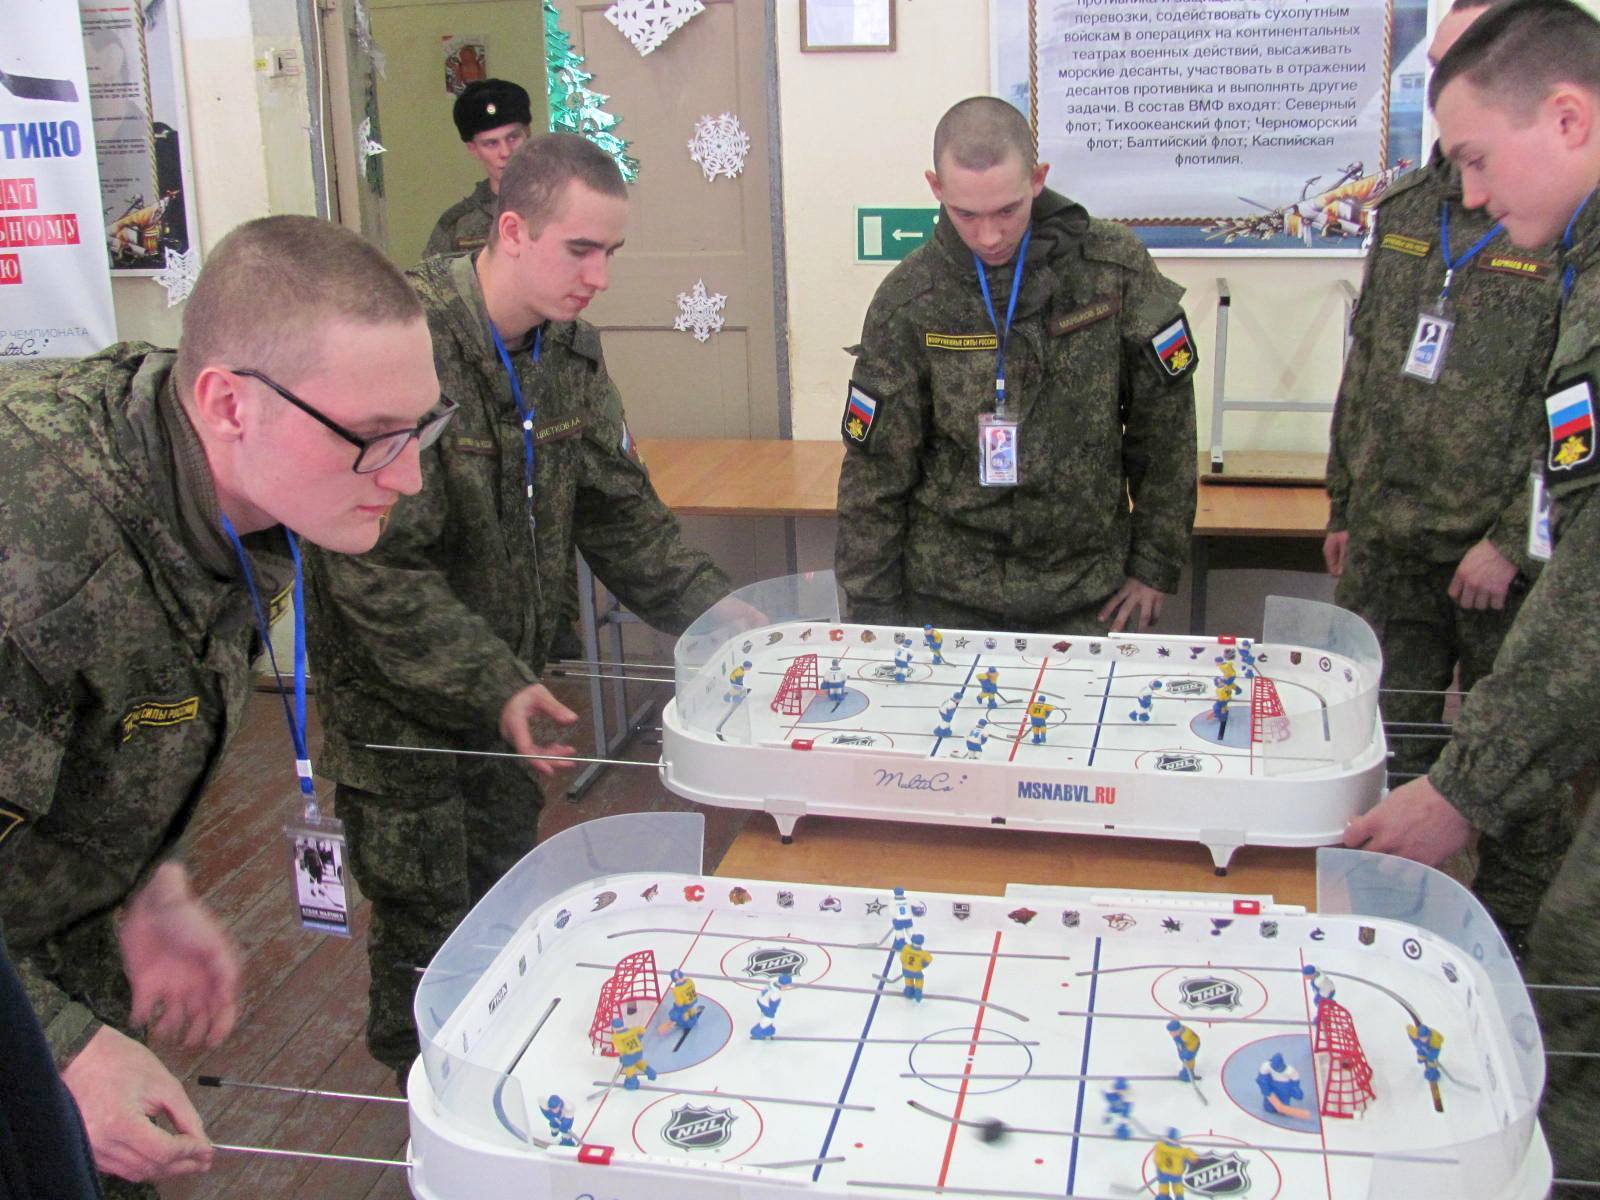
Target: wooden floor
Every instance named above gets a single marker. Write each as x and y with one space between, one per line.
305 996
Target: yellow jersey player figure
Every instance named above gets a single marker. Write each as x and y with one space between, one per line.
1188 1043
935 642
989 686
686 1008
1172 1158
1038 713
629 1045
736 688
913 960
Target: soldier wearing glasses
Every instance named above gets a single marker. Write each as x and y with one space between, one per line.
439 636
127 637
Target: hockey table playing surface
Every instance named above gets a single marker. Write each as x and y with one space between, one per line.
1034 1003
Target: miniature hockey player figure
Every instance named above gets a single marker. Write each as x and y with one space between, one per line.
833 683
947 714
1428 1043
1119 1108
978 736
1219 709
1171 1159
1187 1042
913 960
629 1045
989 686
1038 714
934 640
736 688
686 1009
555 1111
900 926
902 664
1280 1087
1142 713
771 996
1321 985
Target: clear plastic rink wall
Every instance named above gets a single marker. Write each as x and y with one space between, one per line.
1307 778
477 1133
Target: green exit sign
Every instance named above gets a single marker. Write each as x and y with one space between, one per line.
889 234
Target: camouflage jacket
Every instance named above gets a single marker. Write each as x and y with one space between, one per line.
1103 418
423 639
1422 471
1532 724
464 225
125 648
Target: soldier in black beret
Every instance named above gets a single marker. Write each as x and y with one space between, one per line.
492 116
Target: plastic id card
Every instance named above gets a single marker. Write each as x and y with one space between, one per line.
997 451
318 875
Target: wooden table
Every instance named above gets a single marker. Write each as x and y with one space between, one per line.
978 861
733 477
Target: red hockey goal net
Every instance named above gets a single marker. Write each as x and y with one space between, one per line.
801 676
634 981
1346 1076
1267 720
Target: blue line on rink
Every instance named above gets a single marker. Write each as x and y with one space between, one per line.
1100 724
966 683
1083 1069
855 1060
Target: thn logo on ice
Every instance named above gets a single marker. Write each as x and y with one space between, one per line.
1065 793
769 962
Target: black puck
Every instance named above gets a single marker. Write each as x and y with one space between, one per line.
992 1130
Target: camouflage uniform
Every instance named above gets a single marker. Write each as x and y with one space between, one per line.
125 651
1418 473
422 641
1101 417
1533 723
464 225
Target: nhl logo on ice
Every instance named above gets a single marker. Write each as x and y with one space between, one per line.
1186 687
1178 762
771 961
1208 992
694 1127
1214 1174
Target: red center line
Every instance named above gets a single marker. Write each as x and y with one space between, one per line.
1316 1088
649 1023
972 1049
1037 684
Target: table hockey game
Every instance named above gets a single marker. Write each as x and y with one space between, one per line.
1038 1061
1225 741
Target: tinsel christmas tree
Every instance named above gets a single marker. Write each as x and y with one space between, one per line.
573 107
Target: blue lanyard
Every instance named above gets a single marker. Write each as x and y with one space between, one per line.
524 410
1451 265
297 718
1569 275
1003 335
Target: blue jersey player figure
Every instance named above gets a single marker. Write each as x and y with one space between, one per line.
771 996
1321 985
736 688
947 714
1038 715
978 736
1187 1042
934 640
686 1006
833 684
913 961
989 686
1142 713
902 664
555 1111
1119 1108
1428 1043
1280 1087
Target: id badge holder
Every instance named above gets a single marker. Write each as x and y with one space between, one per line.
1540 545
318 875
1430 342
997 451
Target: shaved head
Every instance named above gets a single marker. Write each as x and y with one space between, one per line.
983 132
1521 52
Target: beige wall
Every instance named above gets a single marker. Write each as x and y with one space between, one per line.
425 168
857 129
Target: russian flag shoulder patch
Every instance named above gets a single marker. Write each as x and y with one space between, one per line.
860 412
1174 349
1569 413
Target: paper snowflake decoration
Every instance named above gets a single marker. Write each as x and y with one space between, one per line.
361 26
648 23
699 313
719 145
179 274
365 146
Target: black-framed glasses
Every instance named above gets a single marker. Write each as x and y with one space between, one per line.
372 453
